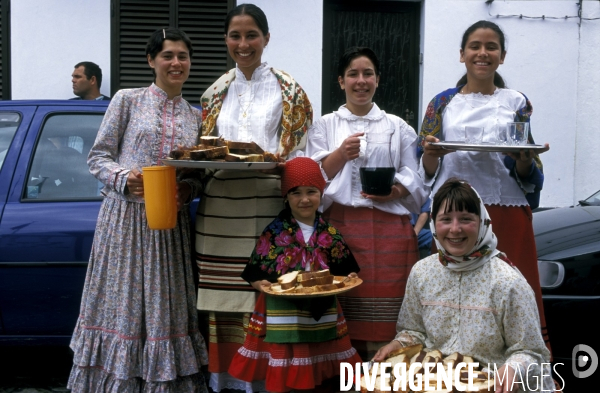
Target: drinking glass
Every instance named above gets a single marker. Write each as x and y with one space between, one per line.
473 134
518 133
502 135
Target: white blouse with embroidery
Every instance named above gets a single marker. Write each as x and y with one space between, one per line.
488 313
483 170
328 133
252 109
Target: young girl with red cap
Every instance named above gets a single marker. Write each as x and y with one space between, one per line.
304 348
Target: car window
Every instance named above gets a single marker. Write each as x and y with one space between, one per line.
9 122
594 200
59 167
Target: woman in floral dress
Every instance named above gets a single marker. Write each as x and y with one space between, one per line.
138 329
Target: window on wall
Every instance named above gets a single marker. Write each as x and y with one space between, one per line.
5 49
134 20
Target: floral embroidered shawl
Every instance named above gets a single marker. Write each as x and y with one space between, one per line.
281 249
296 118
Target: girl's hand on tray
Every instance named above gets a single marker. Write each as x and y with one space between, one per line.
261 285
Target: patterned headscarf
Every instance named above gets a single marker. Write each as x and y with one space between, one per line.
483 250
301 171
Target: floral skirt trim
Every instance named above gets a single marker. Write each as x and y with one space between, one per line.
98 380
127 358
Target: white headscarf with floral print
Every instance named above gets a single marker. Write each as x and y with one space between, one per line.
483 250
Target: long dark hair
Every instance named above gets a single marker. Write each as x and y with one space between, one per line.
251 10
484 24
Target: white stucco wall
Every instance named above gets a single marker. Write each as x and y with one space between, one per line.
587 149
554 62
49 37
296 28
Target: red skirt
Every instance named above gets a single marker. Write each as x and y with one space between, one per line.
513 226
385 247
288 367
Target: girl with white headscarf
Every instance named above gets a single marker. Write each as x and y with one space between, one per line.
469 298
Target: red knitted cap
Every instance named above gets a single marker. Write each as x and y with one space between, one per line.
301 171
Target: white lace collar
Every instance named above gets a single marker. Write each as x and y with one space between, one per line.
374 114
259 73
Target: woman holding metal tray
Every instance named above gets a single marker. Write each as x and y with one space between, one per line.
251 103
509 183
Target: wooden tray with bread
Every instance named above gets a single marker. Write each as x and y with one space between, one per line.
218 153
312 284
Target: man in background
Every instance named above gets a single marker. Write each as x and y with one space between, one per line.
87 79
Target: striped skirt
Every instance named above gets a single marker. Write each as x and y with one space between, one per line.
385 247
288 367
234 210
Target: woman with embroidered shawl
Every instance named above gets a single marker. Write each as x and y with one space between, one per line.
138 327
296 344
377 228
252 102
509 184
469 298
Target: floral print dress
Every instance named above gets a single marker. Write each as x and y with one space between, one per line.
138 328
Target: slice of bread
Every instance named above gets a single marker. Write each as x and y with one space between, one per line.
376 386
324 280
410 351
244 158
244 147
277 288
322 273
181 154
213 141
288 280
286 276
309 283
310 275
209 154
453 360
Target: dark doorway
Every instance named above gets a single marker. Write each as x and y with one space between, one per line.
391 29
